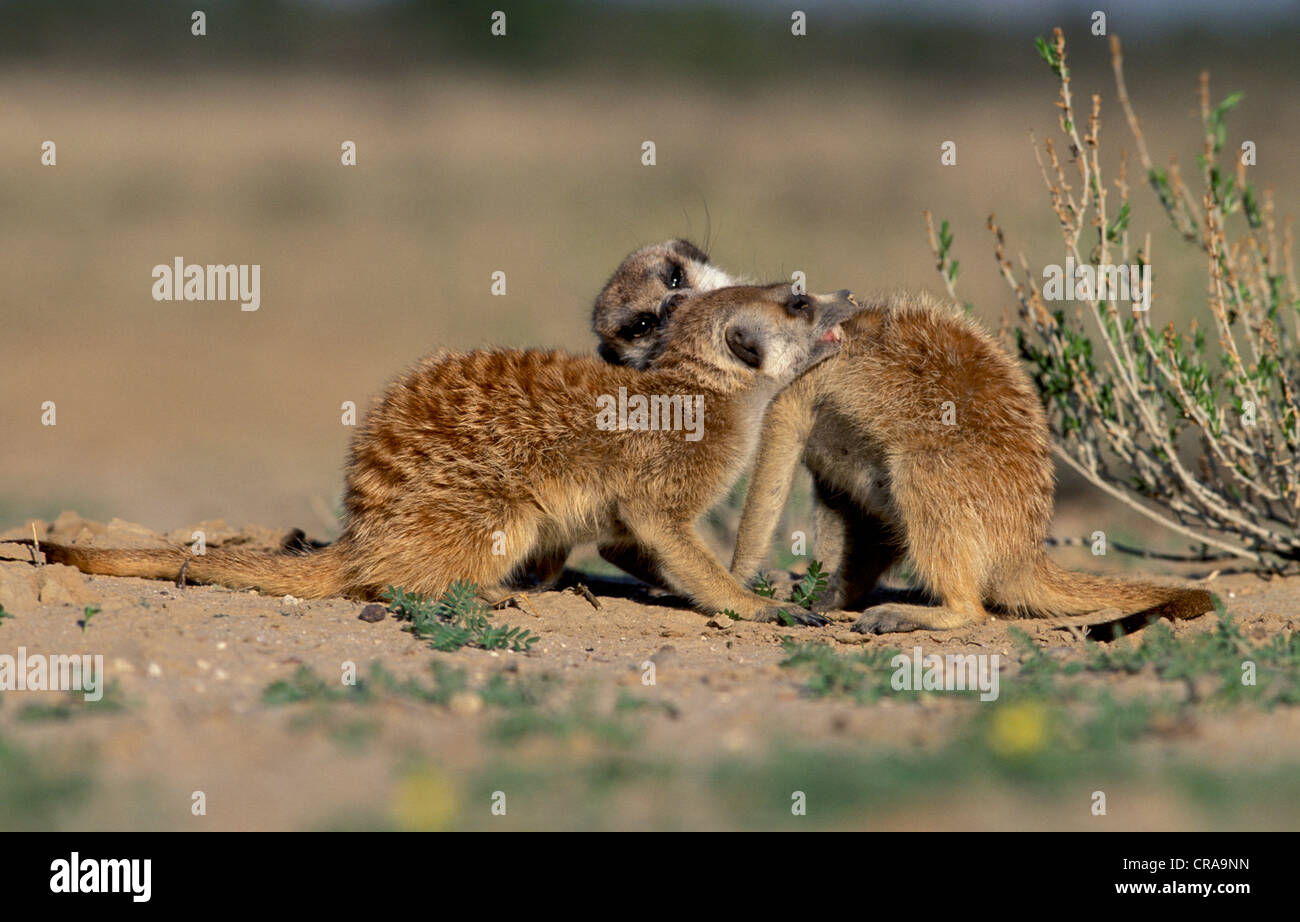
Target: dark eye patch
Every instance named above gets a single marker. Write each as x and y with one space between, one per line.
675 275
638 326
690 251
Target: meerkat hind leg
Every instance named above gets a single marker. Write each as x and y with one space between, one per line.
620 548
956 588
940 545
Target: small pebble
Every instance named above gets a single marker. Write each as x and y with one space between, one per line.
372 613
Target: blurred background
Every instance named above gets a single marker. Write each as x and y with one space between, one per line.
519 153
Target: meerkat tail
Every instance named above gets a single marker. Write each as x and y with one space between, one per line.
308 576
1046 590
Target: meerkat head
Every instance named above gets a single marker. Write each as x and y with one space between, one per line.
766 331
627 315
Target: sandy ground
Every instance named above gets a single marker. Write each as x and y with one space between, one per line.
188 713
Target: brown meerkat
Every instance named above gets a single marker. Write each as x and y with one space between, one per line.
926 442
472 464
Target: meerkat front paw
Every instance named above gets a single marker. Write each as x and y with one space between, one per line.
887 619
790 615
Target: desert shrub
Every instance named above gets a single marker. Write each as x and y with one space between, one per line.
1127 401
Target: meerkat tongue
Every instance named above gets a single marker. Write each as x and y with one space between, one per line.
833 335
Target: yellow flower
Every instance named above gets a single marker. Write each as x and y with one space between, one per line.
424 801
1019 729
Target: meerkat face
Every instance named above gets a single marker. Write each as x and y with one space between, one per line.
627 316
768 331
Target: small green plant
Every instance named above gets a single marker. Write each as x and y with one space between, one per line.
447 681
805 593
863 676
1265 675
500 690
811 587
4 614
576 717
524 706
457 619
89 612
306 685
35 793
762 585
74 704
1273 669
629 703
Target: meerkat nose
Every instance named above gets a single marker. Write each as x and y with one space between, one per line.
834 335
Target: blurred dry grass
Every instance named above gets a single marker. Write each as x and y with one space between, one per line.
173 412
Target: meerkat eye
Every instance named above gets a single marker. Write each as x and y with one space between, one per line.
638 327
799 306
677 278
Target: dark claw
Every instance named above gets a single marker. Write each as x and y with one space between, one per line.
806 618
790 616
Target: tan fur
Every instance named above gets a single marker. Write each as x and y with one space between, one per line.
967 505
464 447
308 576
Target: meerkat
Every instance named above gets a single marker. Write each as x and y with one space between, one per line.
470 465
926 442
627 312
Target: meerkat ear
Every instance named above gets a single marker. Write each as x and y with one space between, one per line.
746 344
670 302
